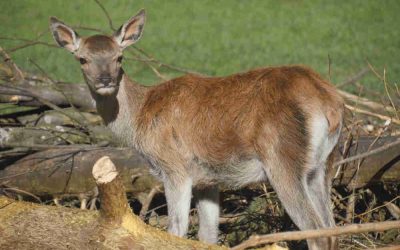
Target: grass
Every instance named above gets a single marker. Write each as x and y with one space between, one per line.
223 37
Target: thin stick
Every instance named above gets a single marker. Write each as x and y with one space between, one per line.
388 94
396 247
378 207
364 101
329 67
367 154
366 112
29 44
374 71
18 75
149 198
17 190
106 13
29 93
354 78
161 64
318 233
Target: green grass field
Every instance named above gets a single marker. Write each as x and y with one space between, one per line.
222 37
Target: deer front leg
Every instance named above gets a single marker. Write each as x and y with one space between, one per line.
207 203
178 194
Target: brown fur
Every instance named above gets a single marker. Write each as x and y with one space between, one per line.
217 118
99 44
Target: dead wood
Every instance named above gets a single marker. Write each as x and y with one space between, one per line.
50 135
26 226
53 117
63 94
369 113
318 233
30 226
380 167
67 170
16 72
365 102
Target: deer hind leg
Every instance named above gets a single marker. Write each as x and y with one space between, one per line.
178 194
293 192
289 169
319 181
319 189
207 203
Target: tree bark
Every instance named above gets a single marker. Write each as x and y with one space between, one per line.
68 171
60 94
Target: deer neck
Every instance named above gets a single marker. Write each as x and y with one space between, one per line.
119 111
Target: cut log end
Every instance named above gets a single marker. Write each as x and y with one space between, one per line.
104 170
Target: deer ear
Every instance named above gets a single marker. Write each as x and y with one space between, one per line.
131 31
65 36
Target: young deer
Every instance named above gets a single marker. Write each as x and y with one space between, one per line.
278 124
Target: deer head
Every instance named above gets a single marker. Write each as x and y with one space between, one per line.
100 56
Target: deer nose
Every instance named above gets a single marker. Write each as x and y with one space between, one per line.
105 80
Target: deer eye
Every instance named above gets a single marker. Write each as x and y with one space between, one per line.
119 59
82 60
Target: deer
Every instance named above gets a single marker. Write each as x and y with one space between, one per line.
276 124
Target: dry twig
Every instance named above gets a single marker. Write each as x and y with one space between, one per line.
372 152
354 78
110 23
366 112
318 233
17 73
149 198
364 101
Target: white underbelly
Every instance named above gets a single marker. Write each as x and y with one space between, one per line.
233 175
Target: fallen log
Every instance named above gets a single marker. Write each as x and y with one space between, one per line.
49 134
381 167
67 171
53 117
60 94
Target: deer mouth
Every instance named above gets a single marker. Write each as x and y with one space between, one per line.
105 89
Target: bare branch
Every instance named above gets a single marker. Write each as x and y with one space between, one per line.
364 101
161 64
354 78
366 112
366 154
318 233
110 23
146 204
17 73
